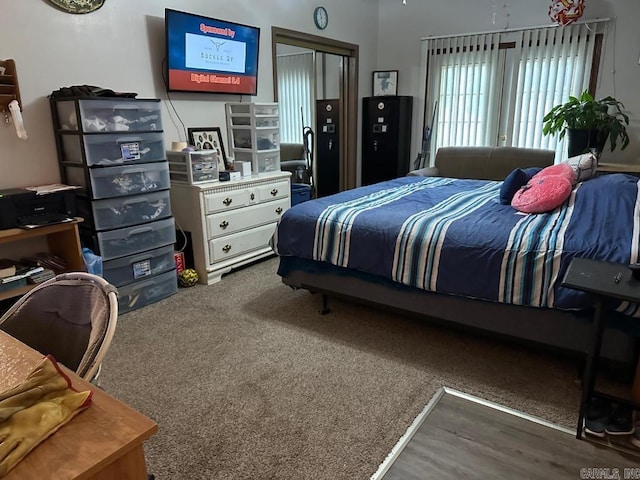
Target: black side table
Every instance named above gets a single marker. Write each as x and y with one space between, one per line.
605 280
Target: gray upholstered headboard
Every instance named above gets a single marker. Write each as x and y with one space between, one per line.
487 163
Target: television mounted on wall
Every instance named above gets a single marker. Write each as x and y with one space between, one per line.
209 55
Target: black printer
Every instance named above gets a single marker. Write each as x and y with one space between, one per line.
24 208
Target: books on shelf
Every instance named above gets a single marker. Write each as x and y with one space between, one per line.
41 276
7 267
46 260
21 282
20 276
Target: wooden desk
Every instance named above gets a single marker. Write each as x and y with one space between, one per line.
102 443
63 240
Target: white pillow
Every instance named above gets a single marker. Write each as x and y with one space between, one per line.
584 166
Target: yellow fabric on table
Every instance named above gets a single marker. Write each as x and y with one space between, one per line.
35 409
43 379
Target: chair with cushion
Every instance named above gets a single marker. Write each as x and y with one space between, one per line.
72 316
293 158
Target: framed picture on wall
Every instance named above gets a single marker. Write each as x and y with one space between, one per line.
385 82
209 138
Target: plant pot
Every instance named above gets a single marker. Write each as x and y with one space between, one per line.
583 141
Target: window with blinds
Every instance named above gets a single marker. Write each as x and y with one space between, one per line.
495 88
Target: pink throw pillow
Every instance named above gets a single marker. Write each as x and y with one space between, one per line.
563 169
542 194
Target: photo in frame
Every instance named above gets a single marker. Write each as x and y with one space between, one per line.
209 138
385 82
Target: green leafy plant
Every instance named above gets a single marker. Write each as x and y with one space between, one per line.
586 113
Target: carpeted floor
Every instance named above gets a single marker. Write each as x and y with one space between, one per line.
248 381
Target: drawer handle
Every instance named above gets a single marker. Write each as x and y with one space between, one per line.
279 210
224 224
140 231
125 106
133 170
133 201
274 192
226 248
252 196
227 201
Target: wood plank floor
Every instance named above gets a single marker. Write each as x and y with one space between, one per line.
463 438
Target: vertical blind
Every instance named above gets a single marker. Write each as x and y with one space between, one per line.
295 92
462 82
553 64
495 88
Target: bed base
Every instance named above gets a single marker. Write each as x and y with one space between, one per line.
564 331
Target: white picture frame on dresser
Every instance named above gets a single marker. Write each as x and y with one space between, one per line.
231 222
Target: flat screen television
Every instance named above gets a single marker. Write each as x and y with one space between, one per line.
210 55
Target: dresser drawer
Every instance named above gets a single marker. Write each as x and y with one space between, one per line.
224 223
238 243
126 270
273 191
114 148
139 238
147 291
121 212
129 179
219 202
110 115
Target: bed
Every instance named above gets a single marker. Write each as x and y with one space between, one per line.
446 249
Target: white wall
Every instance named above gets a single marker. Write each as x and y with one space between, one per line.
121 47
402 26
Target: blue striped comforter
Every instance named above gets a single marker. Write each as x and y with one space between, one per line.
453 236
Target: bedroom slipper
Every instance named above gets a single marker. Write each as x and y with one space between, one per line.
635 439
597 418
620 421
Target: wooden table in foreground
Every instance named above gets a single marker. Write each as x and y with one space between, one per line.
102 443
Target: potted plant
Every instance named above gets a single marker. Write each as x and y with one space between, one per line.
588 123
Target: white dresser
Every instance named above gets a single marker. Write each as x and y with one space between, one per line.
230 223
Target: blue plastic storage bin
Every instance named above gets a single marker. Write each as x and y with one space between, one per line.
300 192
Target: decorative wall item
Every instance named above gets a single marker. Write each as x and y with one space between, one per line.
385 83
209 138
565 12
77 6
321 17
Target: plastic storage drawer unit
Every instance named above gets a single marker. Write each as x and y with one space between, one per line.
114 149
136 239
260 121
254 109
147 291
123 211
126 270
261 162
265 138
111 115
193 167
129 180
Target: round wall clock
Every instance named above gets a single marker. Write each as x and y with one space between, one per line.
320 17
77 6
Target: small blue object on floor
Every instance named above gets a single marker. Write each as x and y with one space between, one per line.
300 192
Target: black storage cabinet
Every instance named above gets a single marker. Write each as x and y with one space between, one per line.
386 137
